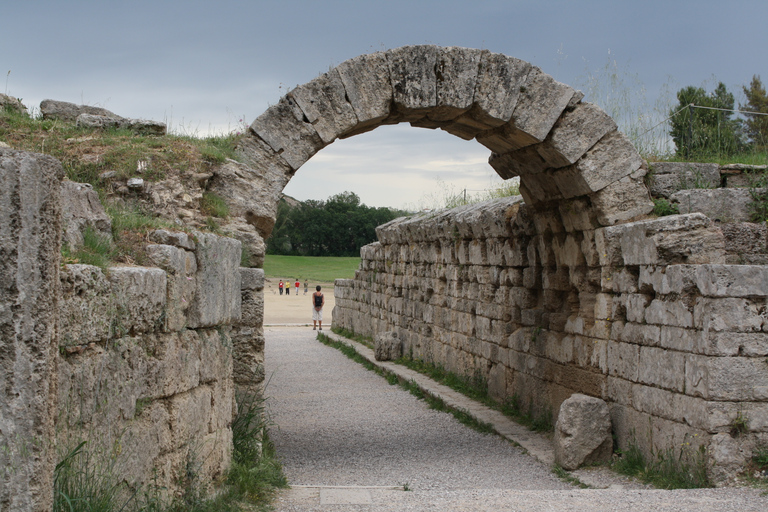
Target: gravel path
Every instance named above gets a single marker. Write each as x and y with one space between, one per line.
344 434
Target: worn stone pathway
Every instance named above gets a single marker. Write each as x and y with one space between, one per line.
350 441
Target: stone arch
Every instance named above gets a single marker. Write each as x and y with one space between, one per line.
568 153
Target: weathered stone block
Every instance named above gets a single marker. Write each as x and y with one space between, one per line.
140 298
662 368
575 133
723 204
669 177
725 378
532 124
622 200
732 280
611 159
283 127
217 297
86 306
181 269
456 77
414 84
727 314
368 86
82 209
669 312
582 432
622 360
323 101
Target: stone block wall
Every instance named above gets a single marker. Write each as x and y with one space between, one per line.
145 373
645 315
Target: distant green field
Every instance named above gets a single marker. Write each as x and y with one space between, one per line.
314 268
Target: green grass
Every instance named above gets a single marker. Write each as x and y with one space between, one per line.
687 470
318 269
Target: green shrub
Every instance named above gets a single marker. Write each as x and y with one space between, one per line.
663 207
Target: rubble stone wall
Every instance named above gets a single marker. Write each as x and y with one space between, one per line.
644 315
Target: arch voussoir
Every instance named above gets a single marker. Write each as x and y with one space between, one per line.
368 89
323 102
414 82
288 133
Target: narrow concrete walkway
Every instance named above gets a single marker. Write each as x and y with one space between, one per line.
350 441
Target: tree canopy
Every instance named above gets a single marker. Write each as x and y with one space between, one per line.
756 126
708 129
339 226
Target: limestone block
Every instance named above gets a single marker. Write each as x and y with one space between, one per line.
175 238
496 94
683 340
664 280
611 159
669 312
11 103
252 279
723 204
387 346
414 83
748 344
639 334
728 314
86 306
732 280
622 200
577 215
725 378
368 86
542 100
324 104
140 298
521 162
217 297
253 246
574 134
539 188
662 368
190 414
30 244
181 268
668 240
64 111
582 432
622 359
744 239
727 457
669 177
267 174
456 77
283 127
82 209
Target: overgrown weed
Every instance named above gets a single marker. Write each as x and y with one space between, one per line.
683 469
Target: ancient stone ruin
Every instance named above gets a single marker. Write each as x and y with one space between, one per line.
571 289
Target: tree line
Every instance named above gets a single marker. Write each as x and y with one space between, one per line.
704 123
338 226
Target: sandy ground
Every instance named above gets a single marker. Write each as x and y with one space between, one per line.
292 309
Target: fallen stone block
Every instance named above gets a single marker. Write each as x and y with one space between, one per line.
582 432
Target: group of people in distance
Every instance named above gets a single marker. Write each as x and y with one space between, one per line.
318 301
287 286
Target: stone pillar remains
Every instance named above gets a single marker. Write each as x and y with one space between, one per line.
30 254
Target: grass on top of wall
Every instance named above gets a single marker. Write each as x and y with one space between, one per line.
315 269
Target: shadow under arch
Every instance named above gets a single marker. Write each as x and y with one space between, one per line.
569 155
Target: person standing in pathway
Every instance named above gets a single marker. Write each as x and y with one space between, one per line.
318 301
280 285
297 284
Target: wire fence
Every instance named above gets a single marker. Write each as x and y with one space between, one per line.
684 134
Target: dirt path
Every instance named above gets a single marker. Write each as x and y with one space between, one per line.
292 309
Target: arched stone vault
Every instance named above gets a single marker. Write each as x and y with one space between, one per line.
565 151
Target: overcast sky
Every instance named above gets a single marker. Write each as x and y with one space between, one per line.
205 66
